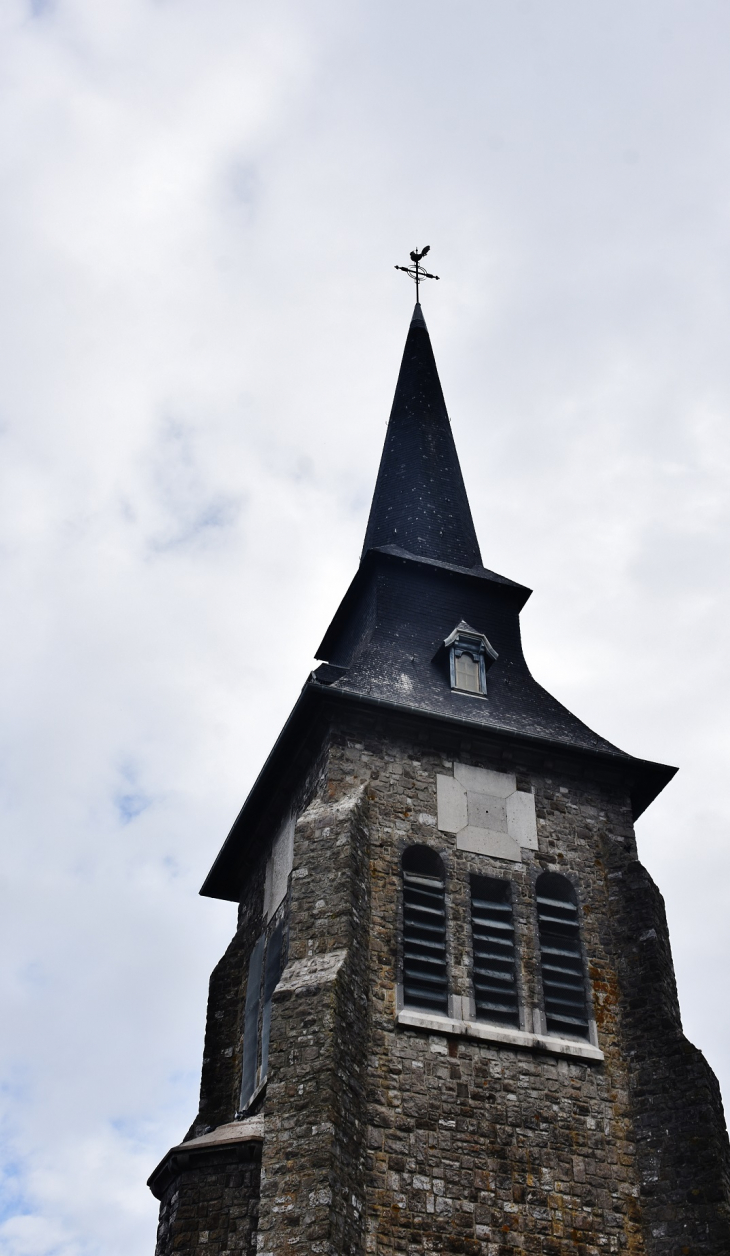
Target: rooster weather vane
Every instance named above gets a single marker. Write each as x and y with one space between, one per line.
415 271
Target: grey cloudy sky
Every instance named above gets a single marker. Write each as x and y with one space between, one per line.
202 204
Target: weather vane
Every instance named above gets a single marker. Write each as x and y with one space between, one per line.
415 271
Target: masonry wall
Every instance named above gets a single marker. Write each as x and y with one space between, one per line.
480 1149
211 1205
386 1139
220 1083
212 1200
681 1142
313 1190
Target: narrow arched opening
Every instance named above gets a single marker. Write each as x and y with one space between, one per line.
493 950
425 976
561 957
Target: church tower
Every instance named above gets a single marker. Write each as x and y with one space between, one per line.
447 1021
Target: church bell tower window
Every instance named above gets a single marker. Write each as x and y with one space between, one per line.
425 979
470 656
493 938
561 957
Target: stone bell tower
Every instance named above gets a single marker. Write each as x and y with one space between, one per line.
447 1021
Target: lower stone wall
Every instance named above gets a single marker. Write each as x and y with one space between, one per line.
681 1140
489 1151
312 1192
394 1140
209 1201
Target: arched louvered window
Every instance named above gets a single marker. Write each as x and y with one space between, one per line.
561 956
425 982
493 937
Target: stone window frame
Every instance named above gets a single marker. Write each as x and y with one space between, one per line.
399 985
466 640
462 1021
497 1035
518 941
540 1011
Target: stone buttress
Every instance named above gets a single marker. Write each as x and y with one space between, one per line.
447 1021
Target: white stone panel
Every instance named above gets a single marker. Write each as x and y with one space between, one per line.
484 811
521 820
451 805
487 812
278 867
484 781
487 842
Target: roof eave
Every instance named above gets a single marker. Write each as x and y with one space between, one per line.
390 554
293 751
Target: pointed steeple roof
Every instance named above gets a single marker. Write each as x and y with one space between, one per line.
385 654
420 503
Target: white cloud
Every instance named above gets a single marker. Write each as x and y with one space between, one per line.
201 207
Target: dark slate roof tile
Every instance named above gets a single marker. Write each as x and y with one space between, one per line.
420 501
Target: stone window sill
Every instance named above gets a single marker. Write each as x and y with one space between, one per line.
413 1019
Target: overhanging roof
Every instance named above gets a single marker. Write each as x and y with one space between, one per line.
300 741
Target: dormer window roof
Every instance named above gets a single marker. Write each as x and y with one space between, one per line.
470 657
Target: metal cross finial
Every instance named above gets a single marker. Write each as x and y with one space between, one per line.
415 271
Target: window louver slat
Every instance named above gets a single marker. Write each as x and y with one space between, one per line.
555 902
561 956
424 943
495 984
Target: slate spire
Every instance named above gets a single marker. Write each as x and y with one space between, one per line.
420 503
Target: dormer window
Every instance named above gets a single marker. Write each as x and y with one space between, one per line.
470 657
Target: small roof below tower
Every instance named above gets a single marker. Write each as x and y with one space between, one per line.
420 503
